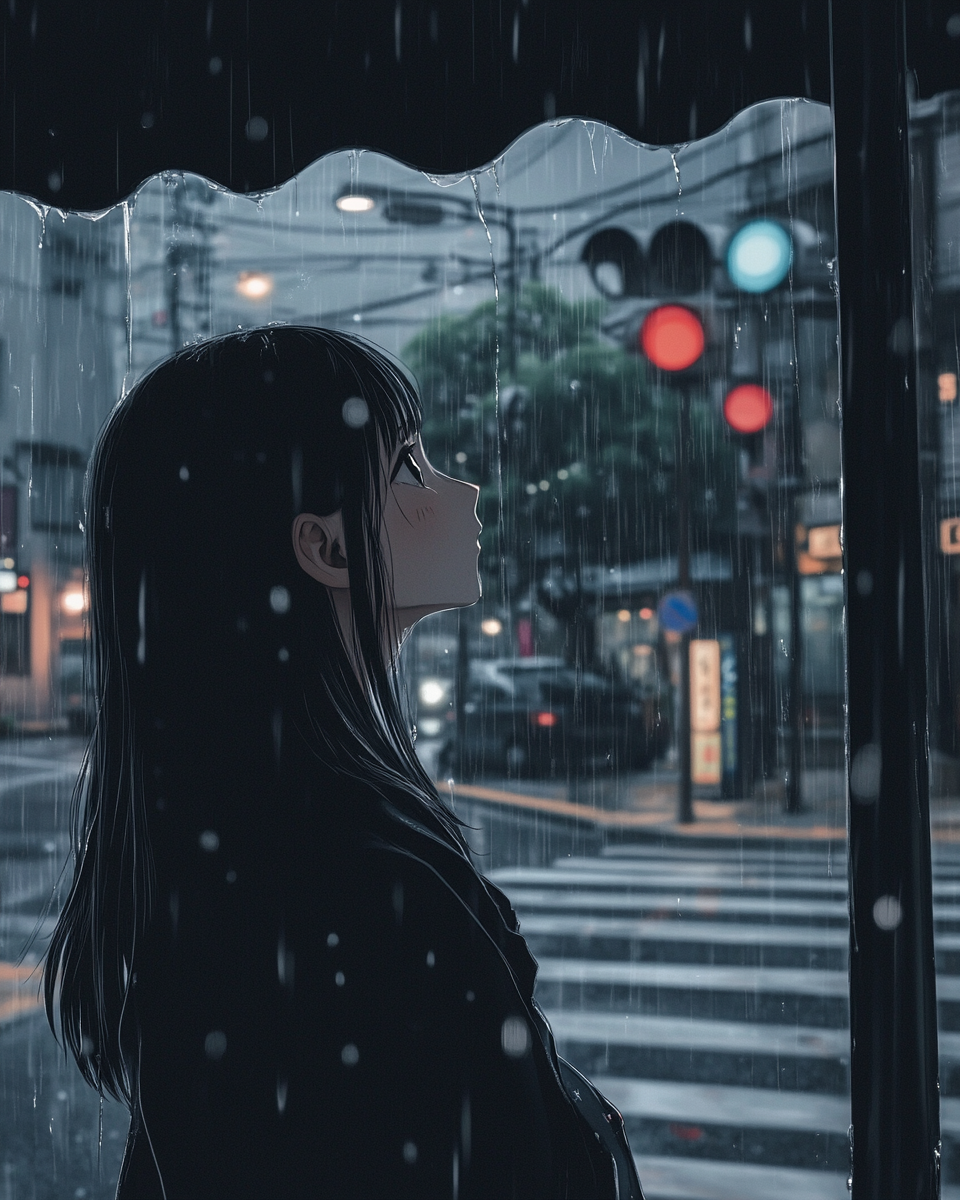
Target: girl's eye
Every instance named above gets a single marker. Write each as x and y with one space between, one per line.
408 470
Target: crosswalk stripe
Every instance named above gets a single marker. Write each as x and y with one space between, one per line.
638 881
725 933
740 1036
696 1178
697 976
754 1108
713 1104
580 901
632 1029
702 977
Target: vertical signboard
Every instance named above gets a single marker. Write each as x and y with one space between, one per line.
705 711
728 714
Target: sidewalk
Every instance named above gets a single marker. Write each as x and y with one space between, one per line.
648 804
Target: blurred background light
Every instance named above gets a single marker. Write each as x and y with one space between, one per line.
254 285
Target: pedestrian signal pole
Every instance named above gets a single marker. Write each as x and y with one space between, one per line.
685 782
672 338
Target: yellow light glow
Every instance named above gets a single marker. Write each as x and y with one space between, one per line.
947 387
73 601
491 626
356 204
254 285
623 615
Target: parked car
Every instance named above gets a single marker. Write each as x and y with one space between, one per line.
541 717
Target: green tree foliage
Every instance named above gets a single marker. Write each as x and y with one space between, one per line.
575 455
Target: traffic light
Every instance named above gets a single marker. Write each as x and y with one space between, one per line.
747 408
759 256
672 337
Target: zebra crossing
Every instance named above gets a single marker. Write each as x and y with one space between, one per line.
704 990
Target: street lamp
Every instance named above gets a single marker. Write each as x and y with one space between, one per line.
355 202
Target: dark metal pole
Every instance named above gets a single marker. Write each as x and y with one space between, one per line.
684 786
893 1012
793 802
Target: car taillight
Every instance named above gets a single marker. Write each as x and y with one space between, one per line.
544 719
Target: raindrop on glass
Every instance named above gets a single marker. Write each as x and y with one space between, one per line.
215 1045
210 841
279 600
257 129
887 912
356 412
514 1037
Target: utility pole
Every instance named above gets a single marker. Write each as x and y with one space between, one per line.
684 784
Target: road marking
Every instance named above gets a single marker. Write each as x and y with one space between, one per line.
670 902
706 1179
699 977
725 932
713 1104
634 881
729 1036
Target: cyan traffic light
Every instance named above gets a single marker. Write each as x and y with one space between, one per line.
759 256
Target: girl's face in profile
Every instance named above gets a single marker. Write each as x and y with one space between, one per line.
428 539
430 530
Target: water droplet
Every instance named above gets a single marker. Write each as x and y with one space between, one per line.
215 1045
865 774
283 654
349 1055
887 912
257 129
210 841
409 1153
431 958
279 600
339 979
184 473
231 876
355 412
514 1037
332 940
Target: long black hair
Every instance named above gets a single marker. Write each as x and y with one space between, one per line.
217 662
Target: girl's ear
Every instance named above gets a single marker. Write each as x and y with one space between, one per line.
318 545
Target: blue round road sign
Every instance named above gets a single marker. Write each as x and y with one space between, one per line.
678 612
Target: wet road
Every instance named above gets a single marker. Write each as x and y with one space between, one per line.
703 987
54 1142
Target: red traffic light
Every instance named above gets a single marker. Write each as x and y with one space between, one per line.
748 408
671 336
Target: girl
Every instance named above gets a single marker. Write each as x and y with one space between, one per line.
276 950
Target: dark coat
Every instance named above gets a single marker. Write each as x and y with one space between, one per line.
346 1013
